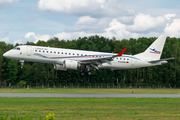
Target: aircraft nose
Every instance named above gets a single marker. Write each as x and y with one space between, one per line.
6 54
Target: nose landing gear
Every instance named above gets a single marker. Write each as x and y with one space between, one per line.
22 63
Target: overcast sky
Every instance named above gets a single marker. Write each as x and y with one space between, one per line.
33 20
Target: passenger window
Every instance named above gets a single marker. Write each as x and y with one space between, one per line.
66 53
50 51
58 52
18 48
77 54
43 51
73 53
62 53
47 51
35 50
69 53
54 52
39 50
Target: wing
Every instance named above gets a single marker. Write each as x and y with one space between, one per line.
98 61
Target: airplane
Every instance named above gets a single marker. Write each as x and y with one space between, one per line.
64 59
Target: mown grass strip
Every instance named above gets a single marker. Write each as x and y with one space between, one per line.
93 90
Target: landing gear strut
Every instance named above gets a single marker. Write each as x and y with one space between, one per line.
22 63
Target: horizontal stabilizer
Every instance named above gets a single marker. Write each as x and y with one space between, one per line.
154 61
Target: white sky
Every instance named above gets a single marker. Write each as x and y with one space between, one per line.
33 20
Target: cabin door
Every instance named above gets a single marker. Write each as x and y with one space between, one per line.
29 50
132 62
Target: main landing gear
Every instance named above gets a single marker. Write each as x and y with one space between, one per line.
83 73
89 73
22 63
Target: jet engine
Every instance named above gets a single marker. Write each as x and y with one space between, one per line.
71 64
59 67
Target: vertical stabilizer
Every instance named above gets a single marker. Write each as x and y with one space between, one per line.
154 51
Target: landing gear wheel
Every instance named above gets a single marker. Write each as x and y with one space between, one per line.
89 73
82 73
22 63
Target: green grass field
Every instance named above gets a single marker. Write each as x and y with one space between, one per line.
92 108
93 90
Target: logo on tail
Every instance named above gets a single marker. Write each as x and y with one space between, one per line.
155 51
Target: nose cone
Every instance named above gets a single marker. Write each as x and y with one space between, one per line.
6 54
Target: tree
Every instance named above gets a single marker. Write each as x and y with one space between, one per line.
45 73
11 71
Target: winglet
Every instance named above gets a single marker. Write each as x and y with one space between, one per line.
120 54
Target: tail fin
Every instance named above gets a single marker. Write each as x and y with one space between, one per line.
155 49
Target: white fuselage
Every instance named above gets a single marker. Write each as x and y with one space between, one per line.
58 55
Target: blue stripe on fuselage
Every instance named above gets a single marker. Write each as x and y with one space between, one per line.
91 56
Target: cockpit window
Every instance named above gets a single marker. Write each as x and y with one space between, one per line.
16 48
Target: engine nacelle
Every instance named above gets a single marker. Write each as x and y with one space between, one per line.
71 64
59 67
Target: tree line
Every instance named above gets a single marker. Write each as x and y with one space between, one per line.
10 71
